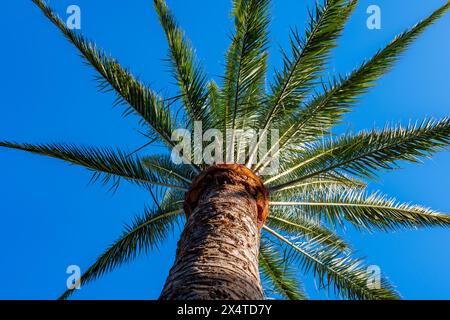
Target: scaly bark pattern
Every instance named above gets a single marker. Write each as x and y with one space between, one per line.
217 255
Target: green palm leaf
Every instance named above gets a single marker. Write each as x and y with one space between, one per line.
142 101
367 152
143 235
329 180
188 72
165 167
308 59
107 164
309 56
369 211
326 109
245 63
294 222
276 271
346 275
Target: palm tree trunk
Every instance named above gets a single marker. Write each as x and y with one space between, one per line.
217 255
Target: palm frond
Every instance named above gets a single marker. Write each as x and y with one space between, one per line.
215 99
309 55
365 153
371 211
277 272
329 180
164 166
141 100
143 235
108 165
188 71
290 220
308 59
345 275
326 109
245 63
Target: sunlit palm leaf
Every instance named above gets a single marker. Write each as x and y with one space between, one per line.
369 211
290 220
367 152
308 59
329 180
326 109
309 56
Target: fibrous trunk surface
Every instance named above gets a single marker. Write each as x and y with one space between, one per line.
217 254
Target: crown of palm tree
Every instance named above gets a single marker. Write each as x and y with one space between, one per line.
321 184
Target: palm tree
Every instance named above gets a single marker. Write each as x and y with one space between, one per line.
229 233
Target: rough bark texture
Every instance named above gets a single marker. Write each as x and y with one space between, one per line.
217 255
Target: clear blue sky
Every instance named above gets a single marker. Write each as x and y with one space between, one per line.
51 218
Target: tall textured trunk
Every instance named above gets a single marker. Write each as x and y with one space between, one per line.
217 254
